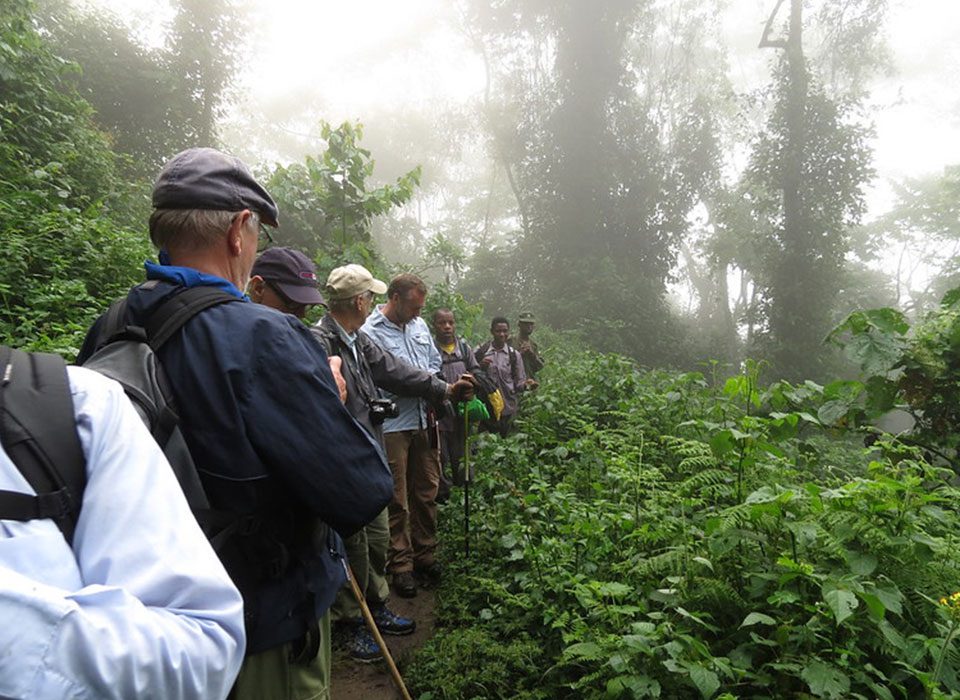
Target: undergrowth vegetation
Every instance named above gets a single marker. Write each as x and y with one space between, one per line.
656 534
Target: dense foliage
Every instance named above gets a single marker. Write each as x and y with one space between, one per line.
153 101
65 254
801 263
653 534
327 201
915 370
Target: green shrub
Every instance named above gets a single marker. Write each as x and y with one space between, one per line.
668 535
471 664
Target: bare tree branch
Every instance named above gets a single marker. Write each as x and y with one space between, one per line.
765 41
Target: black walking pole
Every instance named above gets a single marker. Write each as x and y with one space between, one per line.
466 484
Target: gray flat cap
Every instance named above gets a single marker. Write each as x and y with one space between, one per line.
205 178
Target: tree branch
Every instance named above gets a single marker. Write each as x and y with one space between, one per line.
765 41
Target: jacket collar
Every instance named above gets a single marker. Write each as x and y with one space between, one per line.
188 277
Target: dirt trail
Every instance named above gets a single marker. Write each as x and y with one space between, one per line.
356 681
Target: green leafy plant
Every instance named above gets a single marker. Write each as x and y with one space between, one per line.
662 535
917 370
327 201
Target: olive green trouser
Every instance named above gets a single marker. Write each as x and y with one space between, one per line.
270 675
367 556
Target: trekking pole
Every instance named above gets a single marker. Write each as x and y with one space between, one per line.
372 625
466 484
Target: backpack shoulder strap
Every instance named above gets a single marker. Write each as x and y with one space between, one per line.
39 434
462 349
325 338
176 311
513 365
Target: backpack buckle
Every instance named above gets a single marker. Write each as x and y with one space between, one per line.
54 504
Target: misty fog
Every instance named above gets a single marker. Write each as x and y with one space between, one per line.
621 172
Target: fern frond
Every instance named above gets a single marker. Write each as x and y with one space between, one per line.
694 485
669 562
715 596
685 448
734 516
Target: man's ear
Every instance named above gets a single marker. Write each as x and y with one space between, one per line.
255 288
235 233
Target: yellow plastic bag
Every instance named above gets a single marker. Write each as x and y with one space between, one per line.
496 403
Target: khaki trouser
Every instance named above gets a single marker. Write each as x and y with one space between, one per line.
270 675
367 555
415 464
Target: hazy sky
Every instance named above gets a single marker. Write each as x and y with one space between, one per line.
357 58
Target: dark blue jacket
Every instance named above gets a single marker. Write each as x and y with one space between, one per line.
265 426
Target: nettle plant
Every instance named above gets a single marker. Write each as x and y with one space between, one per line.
658 534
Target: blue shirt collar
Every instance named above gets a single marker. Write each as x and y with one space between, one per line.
348 338
377 317
188 277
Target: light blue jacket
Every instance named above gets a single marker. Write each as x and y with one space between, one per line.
140 606
411 342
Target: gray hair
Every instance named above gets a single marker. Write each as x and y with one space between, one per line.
191 229
345 305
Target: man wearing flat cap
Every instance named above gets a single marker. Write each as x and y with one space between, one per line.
350 291
274 447
527 346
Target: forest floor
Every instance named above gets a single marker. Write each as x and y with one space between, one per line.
357 681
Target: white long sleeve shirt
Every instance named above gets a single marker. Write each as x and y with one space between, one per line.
140 607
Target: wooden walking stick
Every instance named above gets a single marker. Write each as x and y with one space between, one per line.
372 625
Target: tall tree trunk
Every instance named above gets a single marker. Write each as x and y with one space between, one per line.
793 323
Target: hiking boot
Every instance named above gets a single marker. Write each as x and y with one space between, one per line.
361 645
388 622
428 575
404 584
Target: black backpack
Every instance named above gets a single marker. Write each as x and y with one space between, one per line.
37 424
38 432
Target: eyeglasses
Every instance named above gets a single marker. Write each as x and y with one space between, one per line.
289 306
264 239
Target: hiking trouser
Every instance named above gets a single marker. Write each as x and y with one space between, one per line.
270 675
367 556
415 464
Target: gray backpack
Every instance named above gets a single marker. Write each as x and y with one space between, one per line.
128 355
